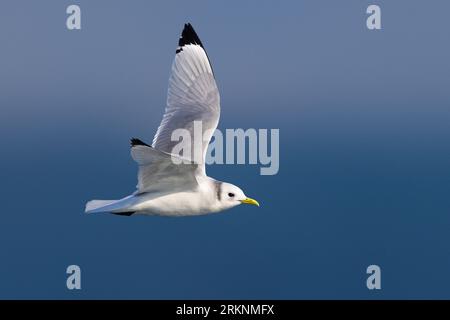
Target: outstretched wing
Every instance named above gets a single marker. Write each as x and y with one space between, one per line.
192 97
158 172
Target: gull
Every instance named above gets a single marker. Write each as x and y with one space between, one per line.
179 188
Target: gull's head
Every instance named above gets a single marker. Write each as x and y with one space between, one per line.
230 196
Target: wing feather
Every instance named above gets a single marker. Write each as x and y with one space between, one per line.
192 96
158 172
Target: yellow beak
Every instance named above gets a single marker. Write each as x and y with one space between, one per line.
250 201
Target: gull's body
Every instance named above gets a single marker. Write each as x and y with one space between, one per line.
201 200
179 188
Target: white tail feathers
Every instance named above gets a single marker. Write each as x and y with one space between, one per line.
94 206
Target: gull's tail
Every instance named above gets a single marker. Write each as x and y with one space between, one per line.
119 207
98 205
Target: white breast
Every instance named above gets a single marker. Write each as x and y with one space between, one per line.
203 200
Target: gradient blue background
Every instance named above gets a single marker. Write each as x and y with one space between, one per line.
364 119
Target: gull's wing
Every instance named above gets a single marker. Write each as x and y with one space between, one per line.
192 96
157 171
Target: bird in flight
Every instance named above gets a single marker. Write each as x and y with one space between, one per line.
179 188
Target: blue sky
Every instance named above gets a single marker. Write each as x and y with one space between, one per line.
364 154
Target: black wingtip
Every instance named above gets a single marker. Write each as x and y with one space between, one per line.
138 142
125 213
188 36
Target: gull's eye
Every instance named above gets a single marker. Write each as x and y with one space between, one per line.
231 195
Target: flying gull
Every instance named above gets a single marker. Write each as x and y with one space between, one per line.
179 188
